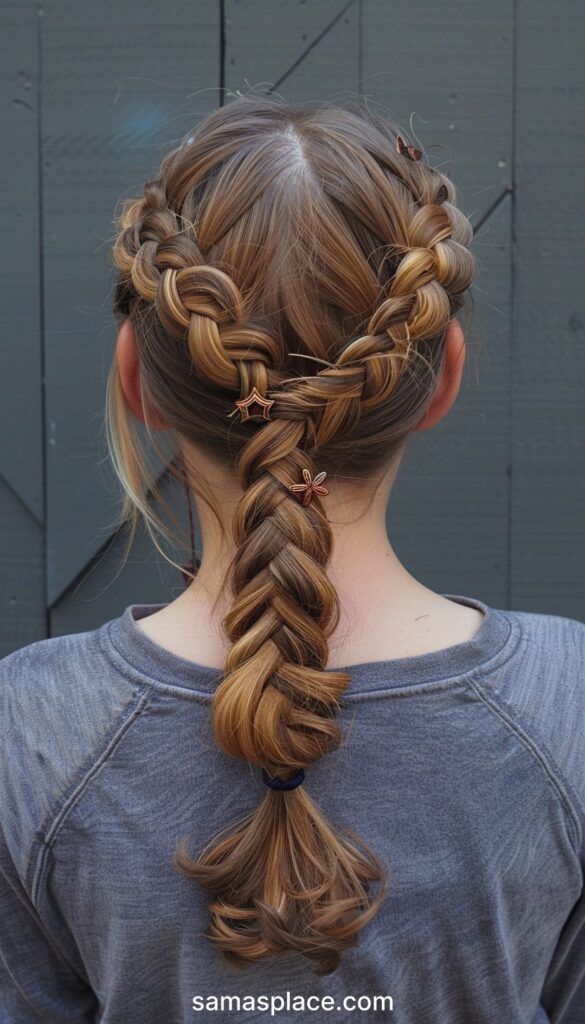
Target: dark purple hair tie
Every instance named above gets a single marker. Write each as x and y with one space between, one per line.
292 783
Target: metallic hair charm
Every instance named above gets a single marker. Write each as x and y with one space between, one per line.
310 487
254 398
407 150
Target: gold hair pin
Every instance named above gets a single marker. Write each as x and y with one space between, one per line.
310 487
254 398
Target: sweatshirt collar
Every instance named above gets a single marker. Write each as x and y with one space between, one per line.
485 649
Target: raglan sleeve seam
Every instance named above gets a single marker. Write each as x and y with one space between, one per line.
573 809
61 949
130 714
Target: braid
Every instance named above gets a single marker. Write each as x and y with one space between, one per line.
282 878
305 887
422 296
276 704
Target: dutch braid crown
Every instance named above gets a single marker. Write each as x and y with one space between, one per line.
276 233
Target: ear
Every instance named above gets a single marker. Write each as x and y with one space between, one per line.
129 369
450 377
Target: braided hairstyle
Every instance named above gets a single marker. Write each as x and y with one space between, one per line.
276 238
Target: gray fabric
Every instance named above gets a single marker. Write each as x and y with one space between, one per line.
464 769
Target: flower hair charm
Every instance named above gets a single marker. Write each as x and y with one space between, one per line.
310 487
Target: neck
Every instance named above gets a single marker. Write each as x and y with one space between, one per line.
373 586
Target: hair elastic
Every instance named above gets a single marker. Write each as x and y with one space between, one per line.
285 784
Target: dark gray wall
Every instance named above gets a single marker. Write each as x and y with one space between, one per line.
491 503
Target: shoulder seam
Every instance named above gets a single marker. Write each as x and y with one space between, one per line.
130 714
544 758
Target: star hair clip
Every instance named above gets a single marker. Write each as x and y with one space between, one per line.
254 398
310 487
407 150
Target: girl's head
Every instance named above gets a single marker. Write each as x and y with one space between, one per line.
295 250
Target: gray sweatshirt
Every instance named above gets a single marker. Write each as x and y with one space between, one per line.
463 769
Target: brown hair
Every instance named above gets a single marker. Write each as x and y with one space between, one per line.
276 238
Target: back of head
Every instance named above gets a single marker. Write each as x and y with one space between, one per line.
304 253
